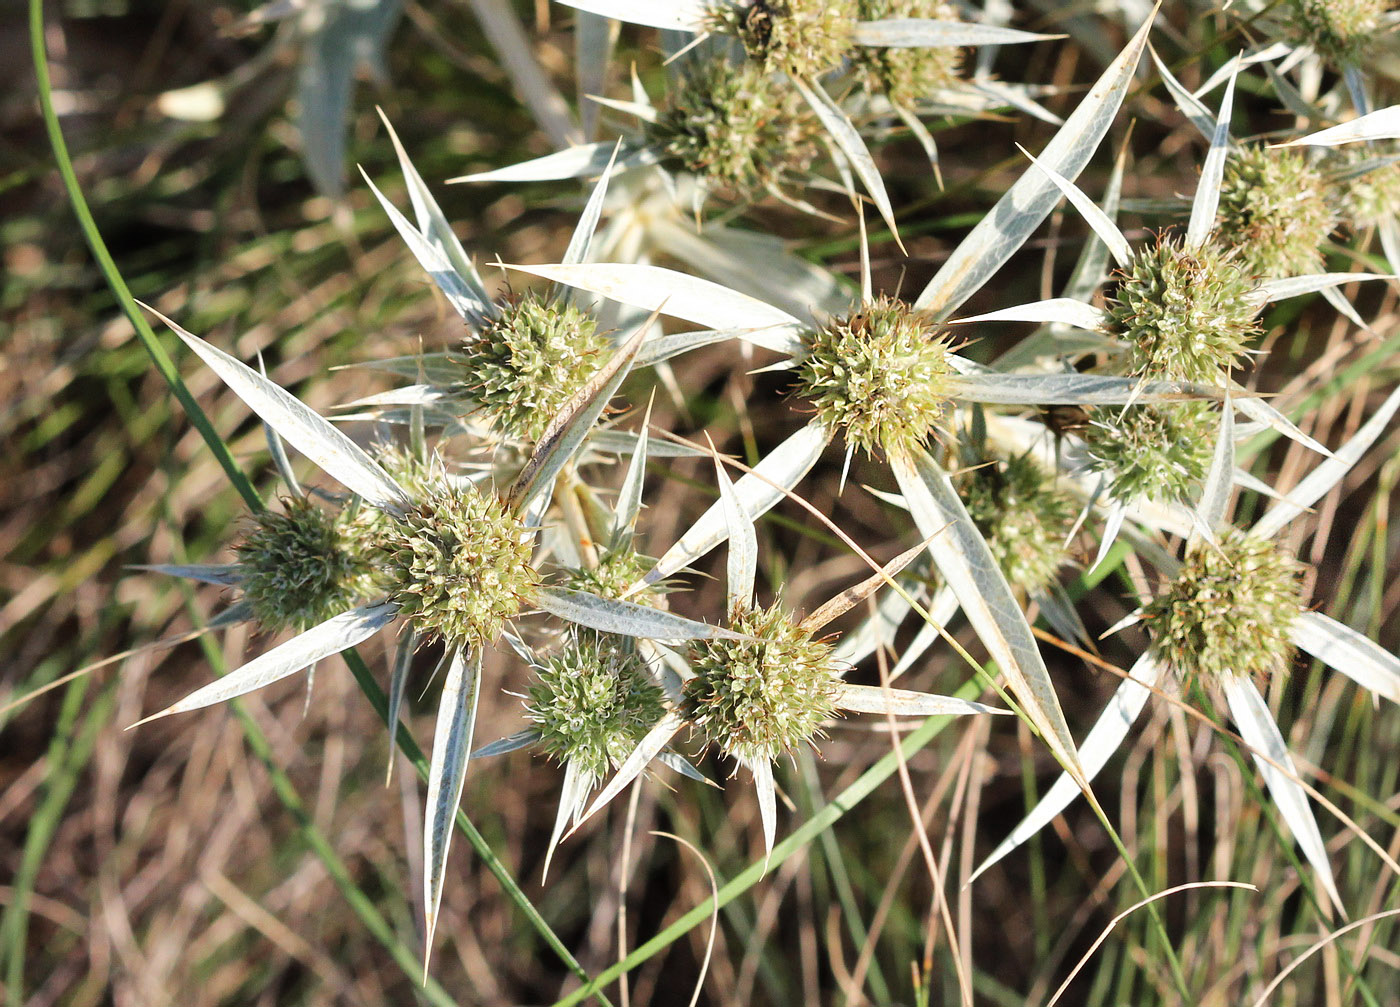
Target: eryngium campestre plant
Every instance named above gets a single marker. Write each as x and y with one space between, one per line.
1161 452
1185 313
459 563
524 365
1274 211
805 38
880 374
737 128
1338 29
617 570
592 702
906 75
299 567
1023 515
1229 611
758 698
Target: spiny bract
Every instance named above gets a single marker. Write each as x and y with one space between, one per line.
1023 515
1229 612
881 374
1185 313
592 701
737 128
460 566
1161 452
298 568
525 364
1274 211
906 75
758 698
805 38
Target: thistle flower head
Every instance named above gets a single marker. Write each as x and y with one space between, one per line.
1367 200
1023 516
1338 29
1229 611
1161 452
906 75
419 475
299 568
1185 312
881 374
592 702
758 698
617 570
526 363
460 566
736 127
1274 211
805 38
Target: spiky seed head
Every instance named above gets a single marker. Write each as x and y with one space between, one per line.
1229 612
460 565
805 38
592 702
420 476
1185 313
525 364
1023 515
1340 30
881 374
906 76
1368 199
299 567
737 128
758 698
1161 452
1274 211
617 570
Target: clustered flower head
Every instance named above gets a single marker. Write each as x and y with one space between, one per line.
522 366
592 701
1370 198
1229 611
1024 516
460 565
616 571
1274 211
1160 452
298 567
1340 30
881 374
805 38
736 127
906 75
759 698
1184 312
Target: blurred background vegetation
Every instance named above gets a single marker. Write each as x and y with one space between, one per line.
170 864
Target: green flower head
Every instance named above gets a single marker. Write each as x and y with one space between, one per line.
1185 313
592 702
881 374
758 698
525 364
460 566
1161 452
737 128
1274 212
1024 517
1229 611
617 570
906 75
1368 199
299 567
1338 29
805 38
